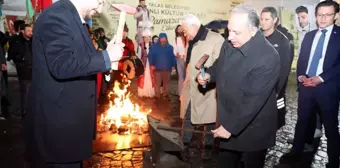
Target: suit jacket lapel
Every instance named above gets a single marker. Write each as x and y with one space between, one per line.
332 46
69 5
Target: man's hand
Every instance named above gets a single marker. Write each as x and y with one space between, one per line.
312 82
202 81
3 67
152 68
173 69
303 79
115 50
221 132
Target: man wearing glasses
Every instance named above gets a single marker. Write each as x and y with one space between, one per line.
318 73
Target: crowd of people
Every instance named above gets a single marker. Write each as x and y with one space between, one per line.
241 97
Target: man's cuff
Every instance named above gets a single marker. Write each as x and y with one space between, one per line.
107 60
321 79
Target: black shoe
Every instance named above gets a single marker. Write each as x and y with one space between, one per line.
330 165
290 158
206 154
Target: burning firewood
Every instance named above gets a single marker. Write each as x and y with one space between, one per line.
145 128
134 128
113 128
123 129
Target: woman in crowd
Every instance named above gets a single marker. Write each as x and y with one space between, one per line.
154 39
180 47
145 82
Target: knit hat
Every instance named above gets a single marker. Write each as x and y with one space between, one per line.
161 35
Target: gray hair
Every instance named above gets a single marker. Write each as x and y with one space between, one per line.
253 17
190 19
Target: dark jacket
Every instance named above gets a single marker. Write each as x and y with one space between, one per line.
290 38
2 56
21 54
246 78
11 49
162 57
60 122
281 43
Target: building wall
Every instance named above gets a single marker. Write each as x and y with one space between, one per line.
165 14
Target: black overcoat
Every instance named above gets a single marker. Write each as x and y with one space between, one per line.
246 78
61 116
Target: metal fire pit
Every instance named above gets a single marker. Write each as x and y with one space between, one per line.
163 142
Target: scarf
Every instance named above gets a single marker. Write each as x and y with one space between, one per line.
201 35
144 56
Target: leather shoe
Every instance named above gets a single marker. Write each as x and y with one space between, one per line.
290 158
329 165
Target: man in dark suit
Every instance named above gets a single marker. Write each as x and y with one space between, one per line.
60 122
318 73
246 74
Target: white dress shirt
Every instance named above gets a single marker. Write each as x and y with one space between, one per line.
315 43
81 18
302 31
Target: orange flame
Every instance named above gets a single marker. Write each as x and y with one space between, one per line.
123 113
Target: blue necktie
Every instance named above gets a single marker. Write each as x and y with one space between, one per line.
313 67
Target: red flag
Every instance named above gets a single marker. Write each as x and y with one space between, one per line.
40 5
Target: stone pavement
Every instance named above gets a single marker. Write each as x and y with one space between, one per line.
12 146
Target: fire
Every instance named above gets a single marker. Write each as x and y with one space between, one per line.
123 116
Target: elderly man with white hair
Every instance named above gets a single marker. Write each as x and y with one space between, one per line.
198 104
245 74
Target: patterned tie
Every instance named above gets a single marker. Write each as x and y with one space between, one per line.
317 55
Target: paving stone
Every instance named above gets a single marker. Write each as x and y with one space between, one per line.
322 154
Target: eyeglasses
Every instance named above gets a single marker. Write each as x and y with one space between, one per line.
325 15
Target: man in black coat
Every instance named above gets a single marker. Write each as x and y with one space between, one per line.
280 42
246 74
21 55
60 122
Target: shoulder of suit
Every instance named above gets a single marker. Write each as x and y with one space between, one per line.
216 36
311 32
